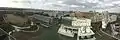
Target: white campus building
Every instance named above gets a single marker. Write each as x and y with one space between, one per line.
80 26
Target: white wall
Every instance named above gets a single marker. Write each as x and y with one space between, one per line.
113 18
80 22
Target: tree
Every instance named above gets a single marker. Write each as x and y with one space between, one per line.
90 11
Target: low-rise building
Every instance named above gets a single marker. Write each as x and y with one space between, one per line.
42 20
80 26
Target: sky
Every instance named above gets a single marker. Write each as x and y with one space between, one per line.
65 5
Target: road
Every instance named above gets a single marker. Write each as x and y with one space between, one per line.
99 34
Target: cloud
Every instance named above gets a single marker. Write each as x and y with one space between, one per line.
88 4
74 6
116 2
60 1
66 4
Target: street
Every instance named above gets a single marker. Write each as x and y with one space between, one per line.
99 34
